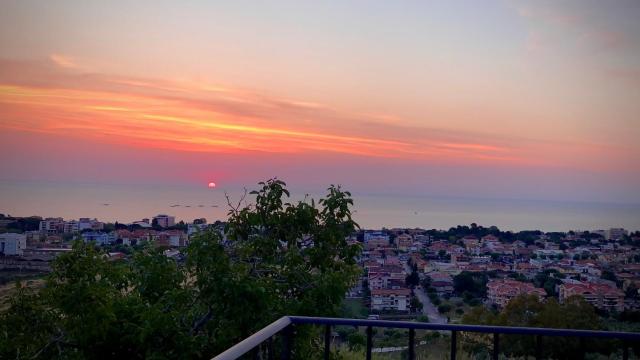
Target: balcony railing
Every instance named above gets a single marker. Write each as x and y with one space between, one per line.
284 327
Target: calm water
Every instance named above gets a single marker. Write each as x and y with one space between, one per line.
133 202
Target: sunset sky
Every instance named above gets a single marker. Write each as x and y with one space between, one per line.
534 100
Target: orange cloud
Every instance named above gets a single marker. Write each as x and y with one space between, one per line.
63 61
204 118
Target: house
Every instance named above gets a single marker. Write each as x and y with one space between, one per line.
100 238
375 243
195 228
527 269
492 244
172 238
124 237
50 226
164 220
392 260
378 281
602 296
89 224
376 235
390 299
442 282
12 244
500 292
404 242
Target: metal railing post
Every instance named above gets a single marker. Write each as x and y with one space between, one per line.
538 347
327 341
625 350
496 346
270 350
454 345
287 342
369 341
412 344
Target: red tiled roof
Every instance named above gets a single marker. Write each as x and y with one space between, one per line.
591 288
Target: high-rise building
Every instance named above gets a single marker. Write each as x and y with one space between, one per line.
615 233
164 220
52 225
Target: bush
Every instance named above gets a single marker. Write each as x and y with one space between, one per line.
356 341
444 308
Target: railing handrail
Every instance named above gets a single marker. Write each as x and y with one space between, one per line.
466 328
275 327
254 340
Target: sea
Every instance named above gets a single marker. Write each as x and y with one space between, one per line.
126 203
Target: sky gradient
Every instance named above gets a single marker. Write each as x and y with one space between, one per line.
500 99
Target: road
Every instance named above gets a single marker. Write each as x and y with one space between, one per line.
427 306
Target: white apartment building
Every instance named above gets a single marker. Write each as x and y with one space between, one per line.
165 220
615 233
390 299
51 225
71 227
12 244
89 224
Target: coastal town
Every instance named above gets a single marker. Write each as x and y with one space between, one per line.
431 275
409 270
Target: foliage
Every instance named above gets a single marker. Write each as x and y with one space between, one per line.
412 280
30 223
611 276
415 304
528 311
357 341
279 259
472 283
426 282
354 308
548 280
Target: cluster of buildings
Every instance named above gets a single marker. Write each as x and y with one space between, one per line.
54 226
580 257
601 295
389 256
53 236
385 275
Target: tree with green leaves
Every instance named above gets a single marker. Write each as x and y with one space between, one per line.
415 304
472 283
529 311
413 279
278 258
